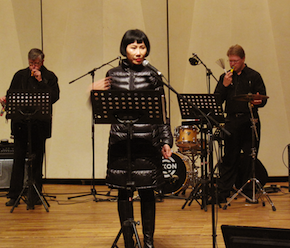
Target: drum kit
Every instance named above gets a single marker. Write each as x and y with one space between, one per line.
180 170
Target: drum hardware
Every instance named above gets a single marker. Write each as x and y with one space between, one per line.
193 148
201 188
256 185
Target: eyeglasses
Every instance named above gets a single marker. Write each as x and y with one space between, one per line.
234 61
34 63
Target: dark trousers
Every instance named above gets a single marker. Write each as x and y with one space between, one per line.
21 147
240 141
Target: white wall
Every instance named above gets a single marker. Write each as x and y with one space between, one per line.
80 35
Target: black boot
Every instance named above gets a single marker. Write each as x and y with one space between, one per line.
148 222
125 209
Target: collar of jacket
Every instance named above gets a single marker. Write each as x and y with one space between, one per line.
128 66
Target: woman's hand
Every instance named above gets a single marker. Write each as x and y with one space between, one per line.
102 84
166 151
3 99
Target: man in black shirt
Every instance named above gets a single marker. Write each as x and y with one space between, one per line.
240 80
35 77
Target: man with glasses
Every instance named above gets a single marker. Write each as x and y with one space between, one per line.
35 77
240 80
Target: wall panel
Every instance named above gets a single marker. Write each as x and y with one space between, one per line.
80 35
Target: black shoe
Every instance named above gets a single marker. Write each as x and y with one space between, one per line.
11 202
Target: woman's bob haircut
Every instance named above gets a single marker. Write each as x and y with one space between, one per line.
130 37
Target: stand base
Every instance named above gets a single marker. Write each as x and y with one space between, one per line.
129 222
94 193
28 199
255 200
200 191
195 194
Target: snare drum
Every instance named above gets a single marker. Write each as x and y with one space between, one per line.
186 136
176 170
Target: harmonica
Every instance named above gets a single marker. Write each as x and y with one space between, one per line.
32 73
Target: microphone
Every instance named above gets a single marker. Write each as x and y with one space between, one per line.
146 63
193 60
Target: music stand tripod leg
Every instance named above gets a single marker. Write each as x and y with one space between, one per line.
40 197
129 222
18 199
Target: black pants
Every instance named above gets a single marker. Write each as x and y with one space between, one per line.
21 147
239 141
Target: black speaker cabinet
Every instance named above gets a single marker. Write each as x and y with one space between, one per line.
255 237
289 167
5 173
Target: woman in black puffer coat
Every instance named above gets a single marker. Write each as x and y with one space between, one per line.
148 144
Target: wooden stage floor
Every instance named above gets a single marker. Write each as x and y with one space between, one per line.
84 223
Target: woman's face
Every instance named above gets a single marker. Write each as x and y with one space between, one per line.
136 52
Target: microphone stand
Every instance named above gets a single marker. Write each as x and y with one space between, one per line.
208 71
92 72
93 190
209 119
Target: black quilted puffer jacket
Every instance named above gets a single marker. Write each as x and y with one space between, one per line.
147 140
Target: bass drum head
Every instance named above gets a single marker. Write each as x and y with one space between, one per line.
175 173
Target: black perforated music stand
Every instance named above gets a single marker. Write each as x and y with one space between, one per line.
194 106
128 108
27 106
113 107
207 103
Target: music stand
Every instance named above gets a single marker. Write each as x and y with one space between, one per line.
128 108
27 106
207 103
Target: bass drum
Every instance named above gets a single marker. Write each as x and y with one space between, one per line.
176 170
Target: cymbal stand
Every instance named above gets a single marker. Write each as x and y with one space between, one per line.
256 185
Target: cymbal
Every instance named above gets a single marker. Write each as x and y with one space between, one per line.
250 97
